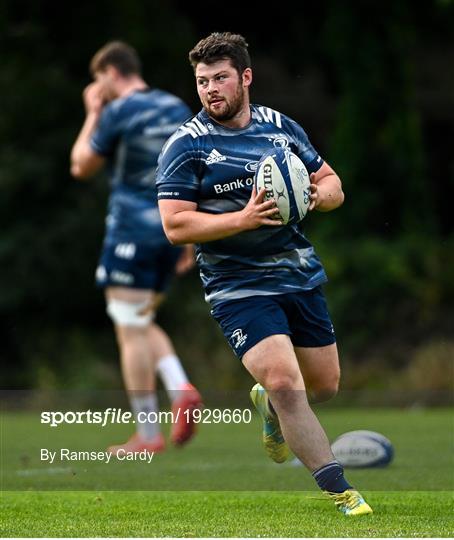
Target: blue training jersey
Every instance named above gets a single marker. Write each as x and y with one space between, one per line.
212 165
130 135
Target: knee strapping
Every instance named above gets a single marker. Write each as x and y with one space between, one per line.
129 313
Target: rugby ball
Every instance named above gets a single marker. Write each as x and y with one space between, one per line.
362 448
286 180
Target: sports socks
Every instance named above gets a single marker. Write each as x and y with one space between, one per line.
330 478
146 404
172 374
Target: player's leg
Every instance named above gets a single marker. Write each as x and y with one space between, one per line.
184 396
130 312
315 343
168 365
320 369
258 331
273 363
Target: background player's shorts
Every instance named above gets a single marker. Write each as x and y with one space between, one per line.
303 316
137 266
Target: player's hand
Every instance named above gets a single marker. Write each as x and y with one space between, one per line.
93 98
259 212
314 196
186 261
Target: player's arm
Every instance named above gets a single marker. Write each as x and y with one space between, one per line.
326 189
184 224
84 161
326 186
186 261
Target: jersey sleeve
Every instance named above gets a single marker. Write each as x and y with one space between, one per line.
304 149
105 138
178 170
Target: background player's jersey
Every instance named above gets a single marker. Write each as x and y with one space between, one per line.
130 135
214 166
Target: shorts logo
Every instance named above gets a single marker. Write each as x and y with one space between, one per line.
101 274
238 338
121 277
125 251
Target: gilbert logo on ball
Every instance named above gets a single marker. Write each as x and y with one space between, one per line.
286 180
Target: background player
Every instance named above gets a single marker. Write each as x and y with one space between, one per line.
263 280
125 127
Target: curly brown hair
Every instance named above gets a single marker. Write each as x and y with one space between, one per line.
222 46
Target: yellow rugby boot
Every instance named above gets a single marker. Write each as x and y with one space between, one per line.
273 440
350 502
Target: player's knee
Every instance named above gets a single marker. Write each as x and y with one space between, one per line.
129 314
280 382
286 391
324 391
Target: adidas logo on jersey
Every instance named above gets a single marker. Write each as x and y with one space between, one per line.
215 157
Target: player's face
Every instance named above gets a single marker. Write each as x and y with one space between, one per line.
222 90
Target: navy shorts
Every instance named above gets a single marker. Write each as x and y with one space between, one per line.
137 266
303 316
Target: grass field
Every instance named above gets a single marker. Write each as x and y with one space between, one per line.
222 484
226 514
